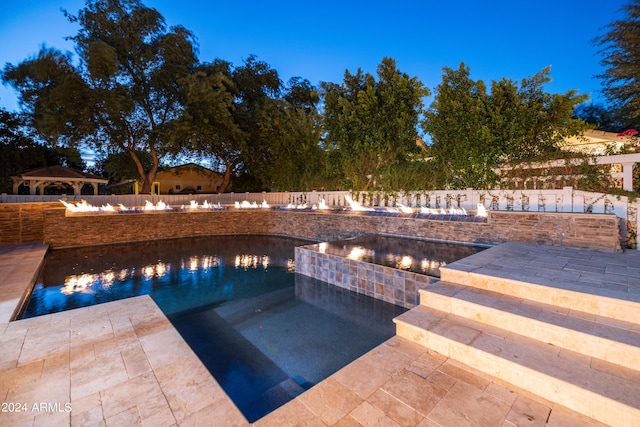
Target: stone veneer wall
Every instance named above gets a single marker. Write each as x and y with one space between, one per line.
391 285
23 222
47 222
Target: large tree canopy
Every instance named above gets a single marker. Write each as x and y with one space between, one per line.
290 132
620 49
207 126
226 115
125 88
474 131
372 123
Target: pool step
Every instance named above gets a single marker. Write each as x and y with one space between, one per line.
570 294
604 391
611 340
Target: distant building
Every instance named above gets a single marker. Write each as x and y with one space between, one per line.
561 173
57 180
596 142
188 178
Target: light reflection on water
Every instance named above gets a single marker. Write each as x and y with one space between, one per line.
418 256
178 274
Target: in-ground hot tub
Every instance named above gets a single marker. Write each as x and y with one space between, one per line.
388 268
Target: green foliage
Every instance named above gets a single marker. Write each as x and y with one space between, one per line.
208 125
620 50
125 90
121 167
601 117
474 132
19 152
295 161
372 124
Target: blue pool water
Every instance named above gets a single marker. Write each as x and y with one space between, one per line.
265 333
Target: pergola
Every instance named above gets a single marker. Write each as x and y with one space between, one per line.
38 179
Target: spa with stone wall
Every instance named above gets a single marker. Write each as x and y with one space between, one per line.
391 285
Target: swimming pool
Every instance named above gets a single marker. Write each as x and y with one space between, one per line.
265 333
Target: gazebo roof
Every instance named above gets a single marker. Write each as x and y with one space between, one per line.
60 173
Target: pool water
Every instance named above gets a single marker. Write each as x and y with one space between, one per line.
265 333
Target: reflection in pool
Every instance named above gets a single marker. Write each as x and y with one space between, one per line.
418 256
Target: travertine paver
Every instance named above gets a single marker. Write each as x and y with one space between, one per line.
562 267
19 267
76 368
122 363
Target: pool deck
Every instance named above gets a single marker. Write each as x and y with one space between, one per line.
123 363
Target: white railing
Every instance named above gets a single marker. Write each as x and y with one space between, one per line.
564 200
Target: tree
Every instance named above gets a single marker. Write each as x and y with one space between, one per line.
125 90
620 50
208 126
372 124
121 167
19 151
291 129
605 118
224 115
258 90
474 132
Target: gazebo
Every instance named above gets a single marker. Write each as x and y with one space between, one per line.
38 179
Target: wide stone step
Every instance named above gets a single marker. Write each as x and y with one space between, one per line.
598 389
595 336
570 295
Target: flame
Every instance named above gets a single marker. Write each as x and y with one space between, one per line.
321 205
482 211
405 209
161 206
292 206
355 206
81 206
248 205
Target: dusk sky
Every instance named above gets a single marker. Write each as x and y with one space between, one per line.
319 40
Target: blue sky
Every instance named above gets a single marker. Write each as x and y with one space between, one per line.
319 40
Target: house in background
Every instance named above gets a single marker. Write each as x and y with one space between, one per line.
597 142
561 173
188 178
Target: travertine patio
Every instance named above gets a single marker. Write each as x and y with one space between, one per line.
122 363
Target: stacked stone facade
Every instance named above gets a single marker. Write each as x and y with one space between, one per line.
52 225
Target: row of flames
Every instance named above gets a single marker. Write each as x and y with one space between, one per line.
83 206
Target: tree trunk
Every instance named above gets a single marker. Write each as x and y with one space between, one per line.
226 179
147 178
